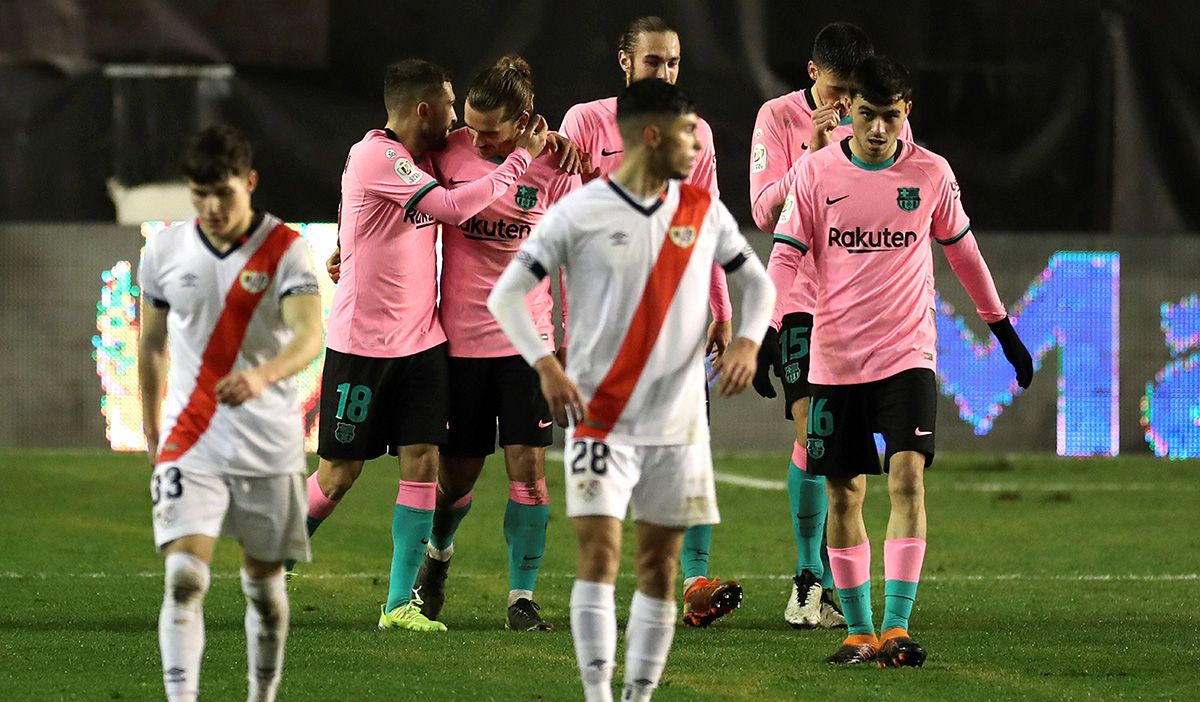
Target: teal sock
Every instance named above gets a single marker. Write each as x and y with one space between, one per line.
806 494
525 533
856 605
410 535
898 599
445 524
827 576
694 557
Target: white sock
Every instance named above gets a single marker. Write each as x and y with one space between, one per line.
647 643
266 633
688 581
514 595
440 554
181 625
594 631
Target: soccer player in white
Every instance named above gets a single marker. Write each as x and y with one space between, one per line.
638 248
233 297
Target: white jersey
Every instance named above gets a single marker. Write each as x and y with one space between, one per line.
224 315
638 276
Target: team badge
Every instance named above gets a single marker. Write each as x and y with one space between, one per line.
254 282
407 172
789 206
526 197
758 160
389 154
683 237
791 372
908 199
344 432
816 448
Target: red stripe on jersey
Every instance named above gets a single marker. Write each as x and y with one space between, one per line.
618 384
226 340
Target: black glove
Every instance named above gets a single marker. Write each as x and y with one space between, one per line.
1014 350
769 355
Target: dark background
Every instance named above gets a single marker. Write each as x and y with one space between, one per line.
1063 116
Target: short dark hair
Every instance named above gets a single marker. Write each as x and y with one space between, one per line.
881 81
841 46
216 153
642 25
410 81
652 97
507 85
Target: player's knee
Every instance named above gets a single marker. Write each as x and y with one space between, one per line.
338 478
187 578
843 495
656 574
526 464
906 488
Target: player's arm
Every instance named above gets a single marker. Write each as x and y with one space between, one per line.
302 315
952 230
152 367
771 175
737 367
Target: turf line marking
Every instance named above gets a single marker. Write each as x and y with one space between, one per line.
781 486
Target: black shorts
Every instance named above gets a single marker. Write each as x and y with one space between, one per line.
795 340
370 406
484 391
843 421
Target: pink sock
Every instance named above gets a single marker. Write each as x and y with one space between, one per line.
319 506
417 495
529 493
902 559
851 566
463 501
799 456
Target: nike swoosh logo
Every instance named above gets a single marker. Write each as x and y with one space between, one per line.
831 201
804 147
606 152
918 432
543 425
457 182
533 558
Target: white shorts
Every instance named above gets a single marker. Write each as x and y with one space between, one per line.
266 514
668 485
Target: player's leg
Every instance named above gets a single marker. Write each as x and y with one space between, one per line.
525 431
267 618
651 626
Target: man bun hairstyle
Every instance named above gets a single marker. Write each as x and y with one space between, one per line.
507 85
216 153
652 97
642 25
411 81
881 81
839 47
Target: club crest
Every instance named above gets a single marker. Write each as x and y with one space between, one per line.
682 236
908 199
254 282
816 448
344 432
526 197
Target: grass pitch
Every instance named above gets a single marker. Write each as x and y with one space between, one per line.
1046 579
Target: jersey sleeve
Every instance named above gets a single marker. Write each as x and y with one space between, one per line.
951 228
949 219
398 179
546 248
769 168
794 227
296 274
732 248
704 170
148 274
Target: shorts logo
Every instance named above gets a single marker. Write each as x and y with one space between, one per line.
166 515
407 172
526 197
683 237
254 282
908 199
588 489
791 372
344 432
816 448
543 424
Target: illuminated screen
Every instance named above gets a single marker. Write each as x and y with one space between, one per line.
1171 405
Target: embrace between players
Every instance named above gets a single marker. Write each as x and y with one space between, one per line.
621 205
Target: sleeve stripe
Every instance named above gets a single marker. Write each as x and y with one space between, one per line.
956 237
412 201
736 263
780 238
538 270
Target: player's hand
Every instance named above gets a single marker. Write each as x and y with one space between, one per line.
824 119
334 265
570 158
1014 350
719 336
531 136
152 446
563 396
239 386
736 368
561 355
770 357
588 172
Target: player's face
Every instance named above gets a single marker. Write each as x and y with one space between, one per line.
439 117
655 55
223 207
676 148
492 135
829 86
876 127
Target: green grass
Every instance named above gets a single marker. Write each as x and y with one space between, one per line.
1043 581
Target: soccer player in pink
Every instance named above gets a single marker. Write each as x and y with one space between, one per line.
650 48
233 297
490 383
866 210
789 128
384 386
638 247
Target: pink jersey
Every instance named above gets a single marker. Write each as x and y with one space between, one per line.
593 128
476 252
782 133
868 229
386 301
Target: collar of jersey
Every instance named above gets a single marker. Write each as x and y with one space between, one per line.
634 203
254 225
871 166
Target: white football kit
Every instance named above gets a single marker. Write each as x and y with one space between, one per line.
638 275
238 466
